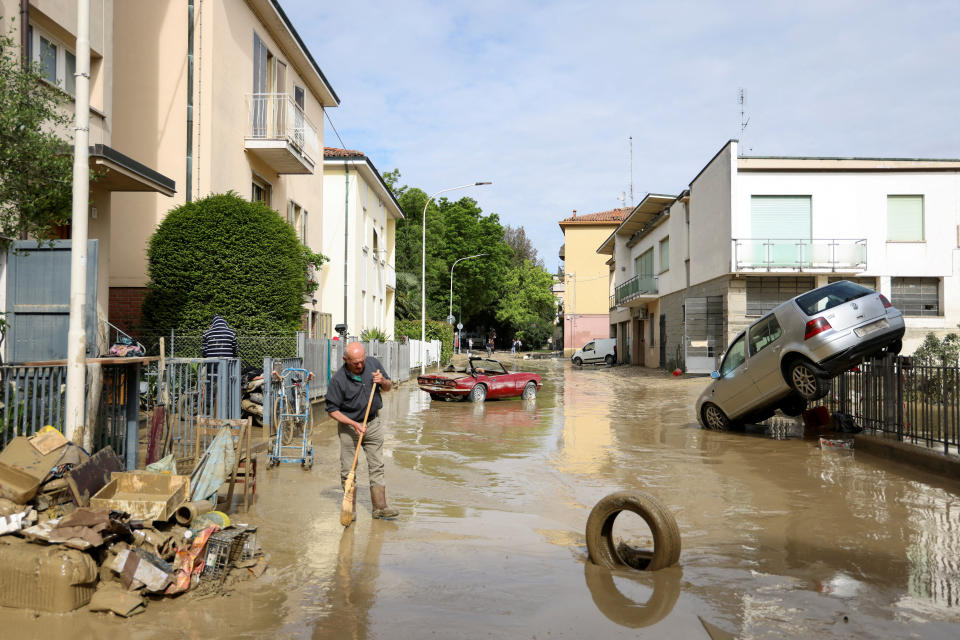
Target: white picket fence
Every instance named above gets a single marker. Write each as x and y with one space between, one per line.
427 352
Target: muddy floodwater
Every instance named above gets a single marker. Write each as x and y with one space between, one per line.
780 539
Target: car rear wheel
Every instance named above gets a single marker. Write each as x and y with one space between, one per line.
609 360
806 381
894 348
529 391
578 362
478 393
714 418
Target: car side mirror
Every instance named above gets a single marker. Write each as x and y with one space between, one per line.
715 375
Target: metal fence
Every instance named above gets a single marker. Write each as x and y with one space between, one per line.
917 403
252 349
199 388
35 396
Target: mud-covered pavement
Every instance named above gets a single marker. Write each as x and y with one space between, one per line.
779 538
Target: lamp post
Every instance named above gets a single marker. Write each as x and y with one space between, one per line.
423 269
450 318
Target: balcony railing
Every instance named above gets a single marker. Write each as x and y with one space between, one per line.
390 276
613 301
281 134
636 287
823 255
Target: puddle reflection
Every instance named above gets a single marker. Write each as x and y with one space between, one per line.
624 610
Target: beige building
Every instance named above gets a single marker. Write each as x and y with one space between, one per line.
586 277
228 98
358 285
34 286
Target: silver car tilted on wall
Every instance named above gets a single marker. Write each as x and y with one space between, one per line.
788 357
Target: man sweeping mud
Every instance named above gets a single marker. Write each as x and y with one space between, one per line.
347 398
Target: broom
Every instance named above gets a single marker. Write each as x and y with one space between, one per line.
349 487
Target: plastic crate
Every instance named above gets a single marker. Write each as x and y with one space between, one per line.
223 549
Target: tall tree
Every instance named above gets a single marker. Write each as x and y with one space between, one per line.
523 249
528 306
35 161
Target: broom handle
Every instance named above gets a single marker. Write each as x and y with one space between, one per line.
365 416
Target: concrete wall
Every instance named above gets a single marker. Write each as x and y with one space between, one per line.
579 329
710 216
586 271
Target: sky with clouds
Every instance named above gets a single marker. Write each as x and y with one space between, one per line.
541 97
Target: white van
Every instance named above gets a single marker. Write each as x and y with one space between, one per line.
596 351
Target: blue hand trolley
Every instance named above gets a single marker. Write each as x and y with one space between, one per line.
291 416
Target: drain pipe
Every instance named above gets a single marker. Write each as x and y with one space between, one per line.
189 180
346 234
25 32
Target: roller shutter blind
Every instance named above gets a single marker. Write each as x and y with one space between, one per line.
916 296
780 218
904 218
763 294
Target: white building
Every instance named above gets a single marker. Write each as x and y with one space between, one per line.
688 272
360 214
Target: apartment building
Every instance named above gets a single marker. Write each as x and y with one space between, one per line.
358 285
35 278
690 271
586 274
225 96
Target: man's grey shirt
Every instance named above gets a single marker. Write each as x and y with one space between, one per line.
349 396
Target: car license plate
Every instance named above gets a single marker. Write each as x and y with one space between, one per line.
870 328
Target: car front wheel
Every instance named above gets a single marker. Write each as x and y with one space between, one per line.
714 418
529 391
806 381
478 393
577 361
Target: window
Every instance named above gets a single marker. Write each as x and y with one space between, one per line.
260 191
904 218
736 355
763 294
297 218
916 296
56 63
870 283
664 254
764 333
776 224
588 347
643 264
830 296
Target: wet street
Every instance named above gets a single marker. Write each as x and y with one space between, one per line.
780 539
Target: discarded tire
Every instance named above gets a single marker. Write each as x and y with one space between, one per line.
621 609
605 551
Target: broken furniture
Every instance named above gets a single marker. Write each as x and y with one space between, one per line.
144 495
244 464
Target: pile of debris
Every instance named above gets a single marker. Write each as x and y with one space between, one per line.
251 388
76 529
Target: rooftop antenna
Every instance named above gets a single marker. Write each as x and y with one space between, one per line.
631 171
744 120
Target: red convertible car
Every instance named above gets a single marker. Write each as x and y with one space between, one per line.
483 378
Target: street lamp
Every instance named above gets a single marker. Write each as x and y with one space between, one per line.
450 317
423 269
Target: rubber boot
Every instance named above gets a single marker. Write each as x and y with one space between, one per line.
378 496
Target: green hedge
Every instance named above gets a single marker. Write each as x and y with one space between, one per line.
435 330
223 254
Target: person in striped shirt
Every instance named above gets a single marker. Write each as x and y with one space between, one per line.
219 341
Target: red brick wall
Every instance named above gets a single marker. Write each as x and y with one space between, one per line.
124 311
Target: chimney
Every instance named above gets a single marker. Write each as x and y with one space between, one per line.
574 213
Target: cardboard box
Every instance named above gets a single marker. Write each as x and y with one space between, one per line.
23 469
144 495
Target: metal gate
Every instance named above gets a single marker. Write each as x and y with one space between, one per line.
702 333
38 300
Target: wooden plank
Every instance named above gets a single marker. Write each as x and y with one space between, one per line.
88 478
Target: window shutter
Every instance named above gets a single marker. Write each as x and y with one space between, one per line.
905 218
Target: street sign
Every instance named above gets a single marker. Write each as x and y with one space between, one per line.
451 319
459 326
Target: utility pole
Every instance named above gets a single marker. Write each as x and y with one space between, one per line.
76 336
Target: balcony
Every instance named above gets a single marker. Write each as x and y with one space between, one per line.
792 255
390 276
279 134
613 302
638 289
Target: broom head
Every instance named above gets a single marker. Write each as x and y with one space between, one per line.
346 509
